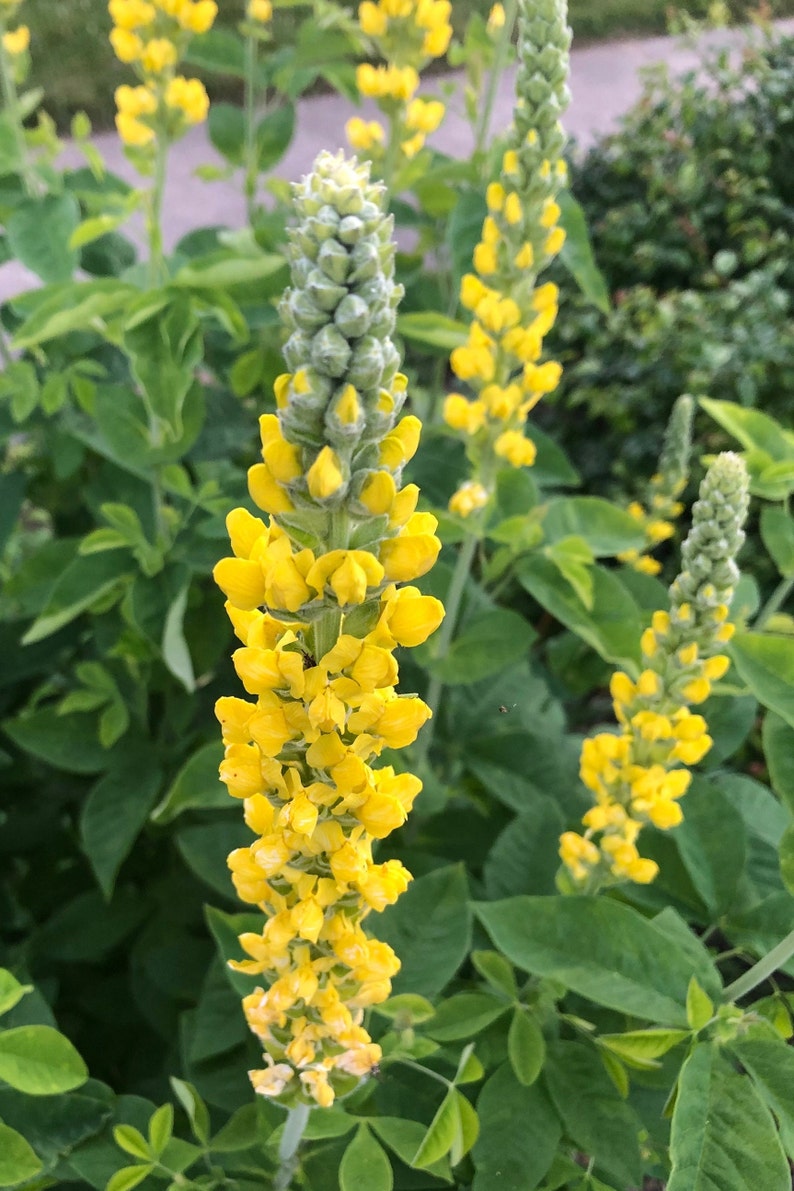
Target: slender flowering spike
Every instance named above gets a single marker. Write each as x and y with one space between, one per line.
314 596
407 34
502 358
663 505
639 774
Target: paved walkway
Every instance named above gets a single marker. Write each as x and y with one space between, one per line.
604 84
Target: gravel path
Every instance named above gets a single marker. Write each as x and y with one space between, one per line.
604 84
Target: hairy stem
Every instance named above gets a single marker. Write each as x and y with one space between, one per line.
290 1144
154 214
486 111
774 603
251 154
761 971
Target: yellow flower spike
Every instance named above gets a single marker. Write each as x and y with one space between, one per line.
324 477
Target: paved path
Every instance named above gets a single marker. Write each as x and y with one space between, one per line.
604 84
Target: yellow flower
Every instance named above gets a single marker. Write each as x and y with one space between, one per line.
363 134
131 14
496 19
16 41
324 477
127 46
372 19
157 55
135 101
199 16
133 132
468 499
188 96
260 10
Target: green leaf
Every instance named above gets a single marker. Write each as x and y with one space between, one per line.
132 1141
766 663
441 1133
429 928
524 857
225 270
787 858
274 134
605 528
66 743
165 346
468 1121
519 1134
365 1164
575 571
404 1137
723 1135
756 431
712 843
436 331
526 1047
612 626
494 968
464 1015
220 51
129 1177
40 1061
11 991
778 739
641 1048
408 1009
226 929
176 653
85 581
39 231
777 532
602 950
161 1128
594 1114
18 1161
484 647
196 786
61 309
116 810
577 253
226 126
771 1065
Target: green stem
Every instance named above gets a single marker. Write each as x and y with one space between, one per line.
11 102
453 602
761 971
154 216
251 154
774 603
392 152
290 1143
486 111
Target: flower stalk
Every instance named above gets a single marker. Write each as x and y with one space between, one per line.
316 597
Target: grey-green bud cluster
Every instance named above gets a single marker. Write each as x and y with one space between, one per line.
709 572
340 310
544 41
677 446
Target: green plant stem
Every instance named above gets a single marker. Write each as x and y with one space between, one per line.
154 215
251 154
11 103
774 603
290 1144
453 601
486 112
761 971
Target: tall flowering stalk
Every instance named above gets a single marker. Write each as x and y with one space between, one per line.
151 36
639 773
407 34
663 507
502 359
314 595
14 66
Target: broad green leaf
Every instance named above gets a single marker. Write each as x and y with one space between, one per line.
226 929
777 531
39 231
132 1141
755 430
333 1122
787 858
771 1065
577 253
494 968
429 928
524 857
18 1162
464 1015
194 1106
432 330
578 574
40 1061
519 1134
226 127
778 738
723 1135
66 742
442 1133
116 810
176 653
468 1121
766 663
605 528
129 1177
11 991
408 1009
220 51
85 581
612 626
215 1027
224 270
603 950
165 346
365 1165
484 647
594 1114
712 843
526 1047
205 848
161 1127
404 1137
274 134
243 1129
196 786
643 1047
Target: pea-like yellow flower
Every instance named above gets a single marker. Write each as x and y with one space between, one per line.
363 134
190 97
16 41
302 750
260 10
